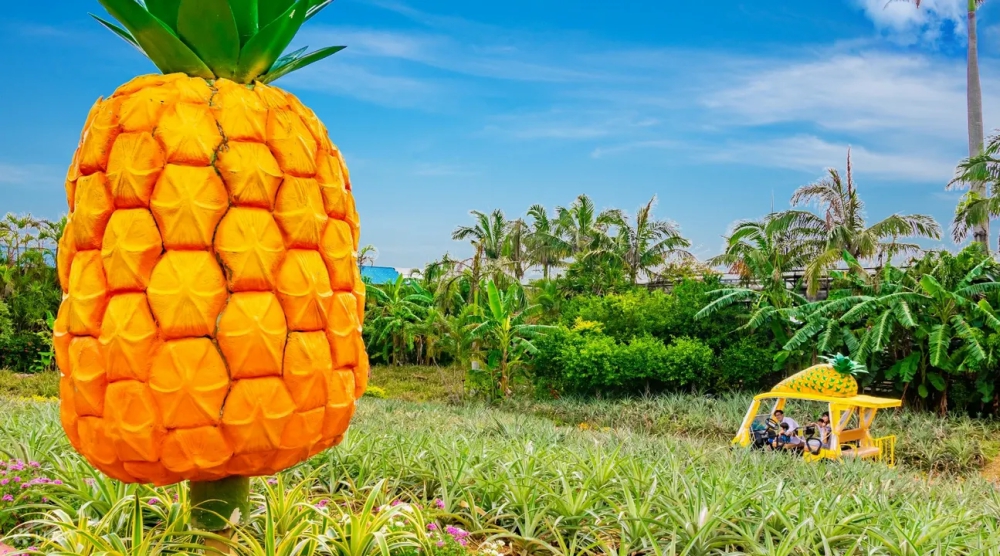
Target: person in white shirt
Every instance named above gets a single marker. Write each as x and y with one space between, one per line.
779 417
785 433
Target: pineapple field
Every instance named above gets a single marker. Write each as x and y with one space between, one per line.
428 478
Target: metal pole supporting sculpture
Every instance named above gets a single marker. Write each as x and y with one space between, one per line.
210 329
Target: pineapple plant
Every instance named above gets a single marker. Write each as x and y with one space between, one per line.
835 377
210 328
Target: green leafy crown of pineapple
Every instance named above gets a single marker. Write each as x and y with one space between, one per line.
845 365
241 40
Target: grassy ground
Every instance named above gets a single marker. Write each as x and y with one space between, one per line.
927 443
537 486
419 384
26 386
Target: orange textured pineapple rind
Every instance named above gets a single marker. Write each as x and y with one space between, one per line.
172 179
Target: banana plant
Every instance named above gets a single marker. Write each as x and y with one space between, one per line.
933 318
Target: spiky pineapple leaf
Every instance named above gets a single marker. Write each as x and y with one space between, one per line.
299 62
264 48
209 28
158 41
165 10
245 14
120 32
316 7
270 10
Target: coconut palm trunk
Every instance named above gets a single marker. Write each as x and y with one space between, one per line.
974 94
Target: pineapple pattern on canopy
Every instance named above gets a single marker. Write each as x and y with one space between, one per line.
211 321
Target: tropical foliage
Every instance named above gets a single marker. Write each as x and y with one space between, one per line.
29 291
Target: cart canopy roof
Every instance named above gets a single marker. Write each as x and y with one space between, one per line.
867 402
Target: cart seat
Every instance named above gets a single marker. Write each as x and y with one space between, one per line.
866 452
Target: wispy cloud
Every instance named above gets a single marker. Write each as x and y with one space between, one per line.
369 85
903 22
601 152
31 175
612 99
812 154
857 92
443 170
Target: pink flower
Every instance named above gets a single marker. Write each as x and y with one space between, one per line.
440 544
4 481
432 526
272 482
154 501
395 503
322 504
34 464
17 479
7 498
439 503
56 482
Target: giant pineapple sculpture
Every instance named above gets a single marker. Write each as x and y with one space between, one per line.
211 320
835 377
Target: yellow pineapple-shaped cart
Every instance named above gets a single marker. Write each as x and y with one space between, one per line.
851 414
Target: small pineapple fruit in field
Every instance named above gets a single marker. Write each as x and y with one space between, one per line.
835 377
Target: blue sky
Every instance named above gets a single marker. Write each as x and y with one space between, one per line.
442 106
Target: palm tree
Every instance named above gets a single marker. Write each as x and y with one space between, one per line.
545 247
488 236
976 207
400 307
648 244
515 248
489 233
974 102
841 226
582 227
367 255
761 252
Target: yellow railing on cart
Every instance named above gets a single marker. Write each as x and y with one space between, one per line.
886 449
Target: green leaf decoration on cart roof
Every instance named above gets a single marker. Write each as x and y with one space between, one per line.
241 40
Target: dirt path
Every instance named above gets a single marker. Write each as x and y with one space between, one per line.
992 471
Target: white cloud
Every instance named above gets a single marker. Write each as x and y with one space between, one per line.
442 170
617 98
903 22
813 154
856 92
601 152
31 175
366 84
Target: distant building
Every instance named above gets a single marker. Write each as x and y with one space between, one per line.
380 274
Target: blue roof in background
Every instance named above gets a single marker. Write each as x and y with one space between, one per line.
379 274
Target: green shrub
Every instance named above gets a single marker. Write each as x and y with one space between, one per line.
746 365
639 312
582 360
376 392
20 351
688 362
